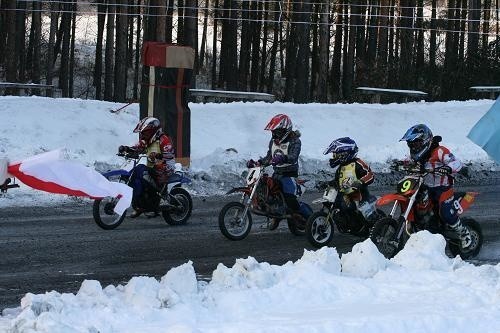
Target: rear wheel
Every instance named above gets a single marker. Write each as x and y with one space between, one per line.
319 229
383 235
232 223
476 234
104 214
182 208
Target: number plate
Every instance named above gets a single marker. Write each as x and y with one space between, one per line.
407 184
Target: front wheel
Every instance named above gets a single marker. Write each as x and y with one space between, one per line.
182 207
476 234
319 229
383 235
232 223
104 214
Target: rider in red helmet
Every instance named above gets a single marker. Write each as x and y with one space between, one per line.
283 154
160 162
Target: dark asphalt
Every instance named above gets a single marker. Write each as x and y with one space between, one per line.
56 248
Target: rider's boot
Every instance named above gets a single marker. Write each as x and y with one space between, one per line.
463 233
274 223
136 212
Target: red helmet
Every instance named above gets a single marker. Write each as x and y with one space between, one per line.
148 128
280 125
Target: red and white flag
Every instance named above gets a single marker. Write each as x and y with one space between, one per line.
48 172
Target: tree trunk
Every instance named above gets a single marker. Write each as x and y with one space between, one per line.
101 20
137 51
324 52
433 37
473 29
37 40
265 31
21 40
256 29
203 47
245 45
274 49
406 70
191 31
108 61
120 70
54 17
420 61
351 49
486 25
65 49
10 48
72 51
214 45
383 41
180 21
229 46
335 76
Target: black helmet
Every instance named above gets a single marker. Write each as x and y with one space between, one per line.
419 140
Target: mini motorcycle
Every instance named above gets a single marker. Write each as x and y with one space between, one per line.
320 225
413 211
261 196
171 200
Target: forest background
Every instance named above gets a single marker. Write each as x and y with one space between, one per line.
300 51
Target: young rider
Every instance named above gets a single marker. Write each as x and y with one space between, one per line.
442 164
283 154
160 159
352 175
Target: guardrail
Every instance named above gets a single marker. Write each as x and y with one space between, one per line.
27 86
254 96
377 92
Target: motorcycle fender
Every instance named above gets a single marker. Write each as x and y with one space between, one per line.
390 198
115 173
466 201
239 189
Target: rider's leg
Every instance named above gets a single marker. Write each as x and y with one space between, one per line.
448 213
289 188
137 183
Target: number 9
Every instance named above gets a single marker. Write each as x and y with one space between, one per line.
406 186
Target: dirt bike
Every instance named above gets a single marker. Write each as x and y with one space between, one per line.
320 225
417 212
171 200
261 196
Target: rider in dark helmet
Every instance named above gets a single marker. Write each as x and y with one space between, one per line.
160 161
425 149
283 155
352 175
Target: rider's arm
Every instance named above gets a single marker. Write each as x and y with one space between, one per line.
293 151
448 159
168 154
364 173
266 160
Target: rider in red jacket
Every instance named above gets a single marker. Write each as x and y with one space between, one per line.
426 150
160 159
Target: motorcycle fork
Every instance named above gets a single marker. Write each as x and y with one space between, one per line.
250 197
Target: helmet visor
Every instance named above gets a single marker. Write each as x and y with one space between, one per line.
415 146
279 133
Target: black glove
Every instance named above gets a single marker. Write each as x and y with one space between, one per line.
443 170
356 185
252 164
123 149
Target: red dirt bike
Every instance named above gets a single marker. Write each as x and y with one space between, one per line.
262 196
413 211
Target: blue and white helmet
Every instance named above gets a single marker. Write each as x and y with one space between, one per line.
419 140
343 150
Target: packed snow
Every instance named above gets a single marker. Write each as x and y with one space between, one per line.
420 290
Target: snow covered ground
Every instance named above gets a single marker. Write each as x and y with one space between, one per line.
420 290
